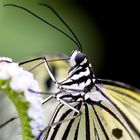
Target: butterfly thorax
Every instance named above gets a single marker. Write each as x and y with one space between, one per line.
80 79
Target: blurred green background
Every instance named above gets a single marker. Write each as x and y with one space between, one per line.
108 32
23 36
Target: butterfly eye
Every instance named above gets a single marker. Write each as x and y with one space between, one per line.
79 58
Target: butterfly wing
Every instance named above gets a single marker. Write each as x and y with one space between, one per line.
96 122
115 116
125 106
11 130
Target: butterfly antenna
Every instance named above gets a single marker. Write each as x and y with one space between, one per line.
23 8
68 27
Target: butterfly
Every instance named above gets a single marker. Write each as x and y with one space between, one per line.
93 108
89 108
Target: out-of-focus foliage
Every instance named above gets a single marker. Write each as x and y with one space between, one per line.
23 36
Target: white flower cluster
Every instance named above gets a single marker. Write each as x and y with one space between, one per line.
22 81
35 112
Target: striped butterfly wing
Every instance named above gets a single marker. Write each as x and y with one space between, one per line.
8 128
111 112
74 129
126 103
88 126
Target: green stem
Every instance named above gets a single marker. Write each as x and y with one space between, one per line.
22 106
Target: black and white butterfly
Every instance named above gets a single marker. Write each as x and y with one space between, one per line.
89 108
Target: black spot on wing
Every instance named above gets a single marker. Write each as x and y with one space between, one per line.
118 133
99 104
125 117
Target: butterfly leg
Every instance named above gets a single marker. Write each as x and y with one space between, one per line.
78 113
45 61
54 95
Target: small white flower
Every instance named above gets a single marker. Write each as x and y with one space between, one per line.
35 112
35 132
23 81
8 69
4 70
5 59
14 69
3 74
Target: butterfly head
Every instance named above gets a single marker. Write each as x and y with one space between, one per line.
80 75
77 58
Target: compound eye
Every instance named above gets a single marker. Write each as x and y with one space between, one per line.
79 58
